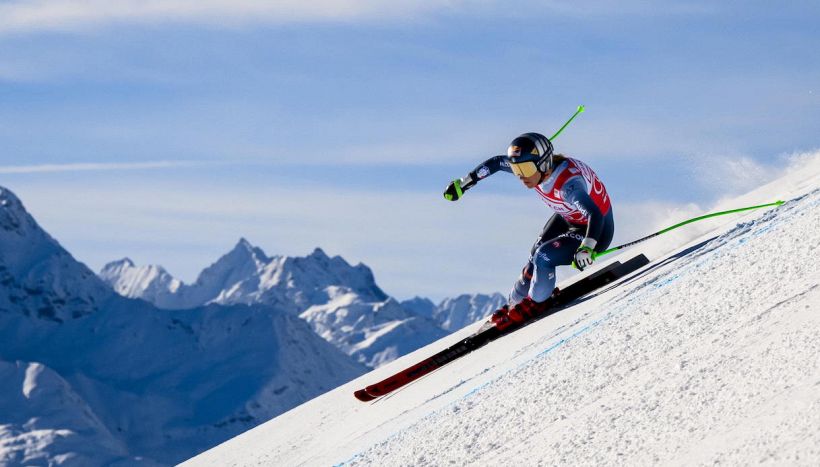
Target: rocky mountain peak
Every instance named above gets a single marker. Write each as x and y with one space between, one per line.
13 216
38 276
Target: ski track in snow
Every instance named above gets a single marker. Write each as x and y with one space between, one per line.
709 355
706 403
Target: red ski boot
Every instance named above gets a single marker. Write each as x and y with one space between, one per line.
524 311
506 316
501 319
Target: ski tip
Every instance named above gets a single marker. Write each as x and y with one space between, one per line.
363 396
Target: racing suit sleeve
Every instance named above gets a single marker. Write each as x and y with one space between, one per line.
574 192
484 170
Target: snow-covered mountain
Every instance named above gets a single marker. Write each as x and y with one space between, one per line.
453 314
374 334
708 355
88 377
341 302
46 422
152 283
420 306
247 275
38 277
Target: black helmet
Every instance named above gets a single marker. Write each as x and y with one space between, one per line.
530 152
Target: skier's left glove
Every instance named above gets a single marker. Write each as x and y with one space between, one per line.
454 190
585 255
457 187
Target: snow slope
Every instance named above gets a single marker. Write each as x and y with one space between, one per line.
710 354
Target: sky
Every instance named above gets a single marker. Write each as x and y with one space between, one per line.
165 131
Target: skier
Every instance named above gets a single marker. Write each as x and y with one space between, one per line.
581 225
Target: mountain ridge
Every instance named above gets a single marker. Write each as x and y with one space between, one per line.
342 302
147 385
108 379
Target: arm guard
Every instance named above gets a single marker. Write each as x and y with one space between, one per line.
484 170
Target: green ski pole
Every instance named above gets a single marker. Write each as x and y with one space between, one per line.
681 224
460 189
580 110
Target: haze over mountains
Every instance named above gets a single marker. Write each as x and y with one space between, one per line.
160 370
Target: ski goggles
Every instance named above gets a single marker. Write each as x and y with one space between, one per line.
524 169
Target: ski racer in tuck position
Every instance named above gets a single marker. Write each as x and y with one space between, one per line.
582 223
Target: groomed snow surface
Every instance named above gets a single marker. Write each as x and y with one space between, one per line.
711 354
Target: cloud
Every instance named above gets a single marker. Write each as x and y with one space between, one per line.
733 175
76 167
44 15
740 181
73 15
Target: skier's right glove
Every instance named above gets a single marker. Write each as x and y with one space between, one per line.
454 190
585 255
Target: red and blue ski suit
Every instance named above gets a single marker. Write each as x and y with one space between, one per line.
582 209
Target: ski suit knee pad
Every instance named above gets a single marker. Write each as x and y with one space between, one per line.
543 278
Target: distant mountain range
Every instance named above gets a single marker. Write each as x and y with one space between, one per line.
342 303
161 370
453 314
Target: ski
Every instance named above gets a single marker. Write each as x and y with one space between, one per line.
489 332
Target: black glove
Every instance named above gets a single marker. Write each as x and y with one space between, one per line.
453 191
